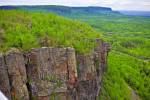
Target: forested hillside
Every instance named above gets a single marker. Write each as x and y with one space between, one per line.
26 30
129 62
128 73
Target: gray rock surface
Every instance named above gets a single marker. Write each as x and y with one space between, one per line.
17 75
4 80
49 70
53 73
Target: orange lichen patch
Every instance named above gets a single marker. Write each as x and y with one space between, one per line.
102 58
43 98
72 79
89 76
61 69
33 58
13 94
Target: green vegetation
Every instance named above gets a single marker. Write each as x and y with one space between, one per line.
125 72
26 30
127 34
128 62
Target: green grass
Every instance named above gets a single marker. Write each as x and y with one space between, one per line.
121 30
128 62
125 71
25 30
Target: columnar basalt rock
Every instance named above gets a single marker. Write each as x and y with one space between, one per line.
4 80
17 75
87 83
90 71
49 71
53 73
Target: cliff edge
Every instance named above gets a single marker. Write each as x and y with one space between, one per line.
51 73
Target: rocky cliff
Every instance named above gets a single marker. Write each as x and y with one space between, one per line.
53 73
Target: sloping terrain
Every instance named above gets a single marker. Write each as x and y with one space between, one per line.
129 61
69 67
26 30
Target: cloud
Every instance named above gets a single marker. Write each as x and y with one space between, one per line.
126 4
115 4
52 2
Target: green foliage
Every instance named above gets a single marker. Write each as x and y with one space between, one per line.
26 30
54 79
124 70
125 33
128 63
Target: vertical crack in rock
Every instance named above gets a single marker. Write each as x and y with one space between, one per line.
87 85
72 74
4 80
17 75
38 73
100 59
47 70
53 73
91 68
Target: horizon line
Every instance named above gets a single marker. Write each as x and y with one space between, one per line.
70 6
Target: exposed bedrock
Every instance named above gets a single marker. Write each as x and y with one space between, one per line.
17 75
4 81
53 73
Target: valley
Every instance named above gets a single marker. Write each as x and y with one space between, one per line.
129 36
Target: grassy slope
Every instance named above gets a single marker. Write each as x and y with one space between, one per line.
130 36
26 30
125 71
128 64
129 60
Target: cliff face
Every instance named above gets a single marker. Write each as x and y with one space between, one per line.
53 74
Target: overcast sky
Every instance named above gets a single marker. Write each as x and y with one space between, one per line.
143 5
